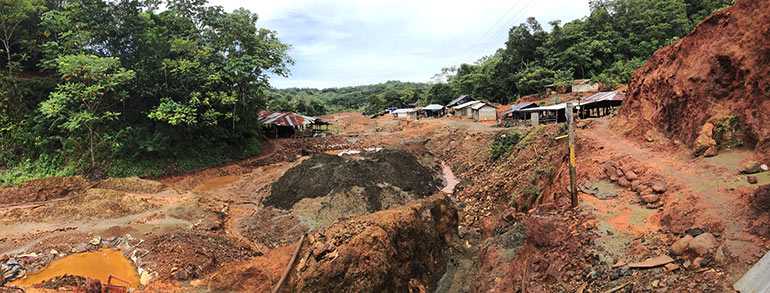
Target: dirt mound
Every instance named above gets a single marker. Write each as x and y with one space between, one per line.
131 185
272 227
716 74
392 250
71 283
93 204
192 254
43 189
326 187
259 274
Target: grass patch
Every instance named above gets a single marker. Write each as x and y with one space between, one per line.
503 144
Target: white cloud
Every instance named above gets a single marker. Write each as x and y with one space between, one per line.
345 42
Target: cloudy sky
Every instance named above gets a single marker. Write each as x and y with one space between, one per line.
345 42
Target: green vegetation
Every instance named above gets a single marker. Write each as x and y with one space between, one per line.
727 132
503 144
606 46
366 98
125 88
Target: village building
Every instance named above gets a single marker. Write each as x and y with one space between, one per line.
433 111
459 101
407 113
514 116
597 105
464 110
284 124
483 111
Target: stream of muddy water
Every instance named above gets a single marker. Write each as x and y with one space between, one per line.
450 179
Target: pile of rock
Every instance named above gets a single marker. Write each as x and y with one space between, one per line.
705 144
753 168
628 176
698 249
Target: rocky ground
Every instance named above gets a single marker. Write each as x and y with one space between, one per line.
507 225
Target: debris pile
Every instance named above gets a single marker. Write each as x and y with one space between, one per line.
632 176
326 187
708 90
187 255
71 283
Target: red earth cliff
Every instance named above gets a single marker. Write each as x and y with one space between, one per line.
717 73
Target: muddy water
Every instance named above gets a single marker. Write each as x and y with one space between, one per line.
450 179
218 182
97 264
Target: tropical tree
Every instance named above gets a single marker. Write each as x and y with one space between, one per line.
90 96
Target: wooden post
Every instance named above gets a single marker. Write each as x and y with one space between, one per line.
572 175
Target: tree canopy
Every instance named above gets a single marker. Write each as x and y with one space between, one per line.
605 46
123 87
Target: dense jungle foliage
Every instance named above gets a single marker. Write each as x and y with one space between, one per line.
122 87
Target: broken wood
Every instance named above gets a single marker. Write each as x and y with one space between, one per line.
290 265
617 288
653 262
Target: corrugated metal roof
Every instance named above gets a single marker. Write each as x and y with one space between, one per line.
546 108
755 280
433 107
519 107
456 101
603 96
283 118
480 105
523 106
399 111
466 104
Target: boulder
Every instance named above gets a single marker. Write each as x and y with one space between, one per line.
622 181
752 179
680 245
711 151
720 256
609 170
751 168
650 197
704 140
659 186
703 243
631 175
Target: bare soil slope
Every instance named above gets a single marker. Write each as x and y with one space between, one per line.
717 71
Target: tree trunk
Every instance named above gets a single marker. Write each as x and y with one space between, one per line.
91 137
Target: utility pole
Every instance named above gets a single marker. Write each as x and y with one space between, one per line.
572 175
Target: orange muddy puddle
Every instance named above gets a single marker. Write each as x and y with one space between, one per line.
215 183
97 264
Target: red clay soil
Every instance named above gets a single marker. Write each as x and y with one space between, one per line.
718 70
259 274
396 250
43 189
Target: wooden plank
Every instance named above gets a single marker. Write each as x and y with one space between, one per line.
572 171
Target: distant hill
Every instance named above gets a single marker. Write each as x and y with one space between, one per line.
368 98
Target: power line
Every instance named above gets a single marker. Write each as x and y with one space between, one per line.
507 26
485 34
